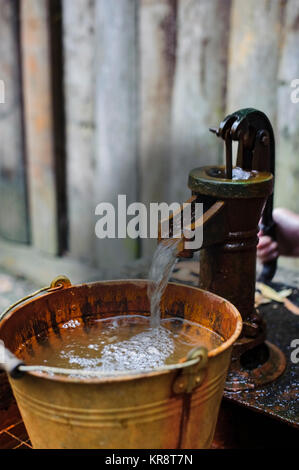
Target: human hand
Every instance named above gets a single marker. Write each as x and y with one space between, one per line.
287 235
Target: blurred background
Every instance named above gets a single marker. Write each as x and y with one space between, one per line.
108 97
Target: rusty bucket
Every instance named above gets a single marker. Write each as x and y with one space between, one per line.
174 408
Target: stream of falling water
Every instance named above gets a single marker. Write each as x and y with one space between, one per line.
164 260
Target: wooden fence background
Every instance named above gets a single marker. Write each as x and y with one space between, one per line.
108 97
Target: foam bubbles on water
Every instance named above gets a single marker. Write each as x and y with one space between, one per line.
71 324
84 362
146 350
240 174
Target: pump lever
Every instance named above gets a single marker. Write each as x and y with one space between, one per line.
224 131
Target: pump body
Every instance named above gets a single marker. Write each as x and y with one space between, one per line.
235 200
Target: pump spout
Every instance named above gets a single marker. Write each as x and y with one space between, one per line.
207 226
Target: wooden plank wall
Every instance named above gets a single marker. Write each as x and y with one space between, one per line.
199 88
157 36
79 80
38 112
183 76
143 81
13 206
116 117
288 113
287 160
255 37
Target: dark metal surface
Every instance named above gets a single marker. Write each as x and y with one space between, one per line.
212 181
256 368
280 399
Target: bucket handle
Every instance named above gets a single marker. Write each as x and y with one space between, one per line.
191 369
58 283
9 362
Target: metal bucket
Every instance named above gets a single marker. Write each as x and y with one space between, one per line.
162 409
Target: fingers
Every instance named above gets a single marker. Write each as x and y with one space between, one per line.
264 241
267 249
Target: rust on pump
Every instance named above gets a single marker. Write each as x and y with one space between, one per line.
234 200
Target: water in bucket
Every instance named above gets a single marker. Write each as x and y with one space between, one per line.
123 343
127 342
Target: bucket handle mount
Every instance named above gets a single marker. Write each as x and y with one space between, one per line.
191 377
60 282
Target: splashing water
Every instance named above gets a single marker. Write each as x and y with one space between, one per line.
127 342
240 174
164 260
123 343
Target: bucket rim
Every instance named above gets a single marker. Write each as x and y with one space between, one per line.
139 374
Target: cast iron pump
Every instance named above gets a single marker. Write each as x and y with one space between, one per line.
235 201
